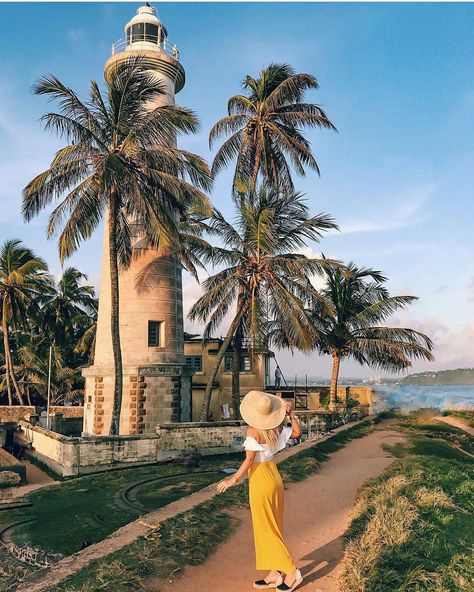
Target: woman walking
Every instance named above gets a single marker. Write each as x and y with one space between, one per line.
265 414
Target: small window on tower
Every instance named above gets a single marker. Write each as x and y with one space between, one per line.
154 333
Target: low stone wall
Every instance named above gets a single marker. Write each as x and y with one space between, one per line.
206 438
71 411
363 394
9 413
78 456
56 451
10 463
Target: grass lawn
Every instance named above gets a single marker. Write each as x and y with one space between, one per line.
189 538
89 508
413 527
426 426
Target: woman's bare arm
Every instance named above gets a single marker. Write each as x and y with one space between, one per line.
236 477
244 467
295 424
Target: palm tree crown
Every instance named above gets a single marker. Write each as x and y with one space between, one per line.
263 128
64 303
117 147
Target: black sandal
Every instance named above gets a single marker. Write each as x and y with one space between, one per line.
284 587
264 585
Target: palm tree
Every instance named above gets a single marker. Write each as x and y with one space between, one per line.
352 326
264 128
20 271
66 382
120 164
259 266
63 304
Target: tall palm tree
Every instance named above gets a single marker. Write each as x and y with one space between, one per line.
260 266
264 128
353 325
120 164
20 271
264 134
63 304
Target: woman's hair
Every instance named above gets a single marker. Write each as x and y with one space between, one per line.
271 436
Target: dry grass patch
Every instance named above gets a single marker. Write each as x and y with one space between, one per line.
412 526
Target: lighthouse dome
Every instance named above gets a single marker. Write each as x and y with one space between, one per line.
145 30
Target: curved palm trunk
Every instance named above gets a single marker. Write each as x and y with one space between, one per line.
10 372
115 320
334 378
220 356
6 347
28 395
18 390
236 358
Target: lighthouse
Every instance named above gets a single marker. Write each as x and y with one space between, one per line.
156 381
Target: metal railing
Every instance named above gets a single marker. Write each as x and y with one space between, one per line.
152 43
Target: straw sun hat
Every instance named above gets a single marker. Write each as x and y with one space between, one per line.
262 410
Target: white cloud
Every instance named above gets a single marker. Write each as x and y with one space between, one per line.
452 345
408 211
26 150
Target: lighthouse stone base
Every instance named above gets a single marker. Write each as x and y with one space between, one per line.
152 395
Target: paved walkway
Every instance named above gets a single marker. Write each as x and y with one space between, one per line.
317 516
35 479
130 532
457 423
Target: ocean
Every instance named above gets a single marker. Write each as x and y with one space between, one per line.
416 397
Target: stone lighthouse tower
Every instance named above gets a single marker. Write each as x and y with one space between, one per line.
156 382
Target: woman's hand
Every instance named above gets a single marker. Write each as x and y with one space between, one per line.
224 485
289 408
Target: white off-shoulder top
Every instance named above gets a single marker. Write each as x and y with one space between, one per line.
263 452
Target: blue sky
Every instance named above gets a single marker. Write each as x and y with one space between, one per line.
396 79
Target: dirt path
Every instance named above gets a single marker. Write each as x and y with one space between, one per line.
317 515
35 479
130 532
457 423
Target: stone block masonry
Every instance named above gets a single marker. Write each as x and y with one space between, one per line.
80 456
12 413
11 464
152 395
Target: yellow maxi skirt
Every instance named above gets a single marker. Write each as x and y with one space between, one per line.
267 506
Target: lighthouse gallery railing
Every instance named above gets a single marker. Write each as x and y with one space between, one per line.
150 42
